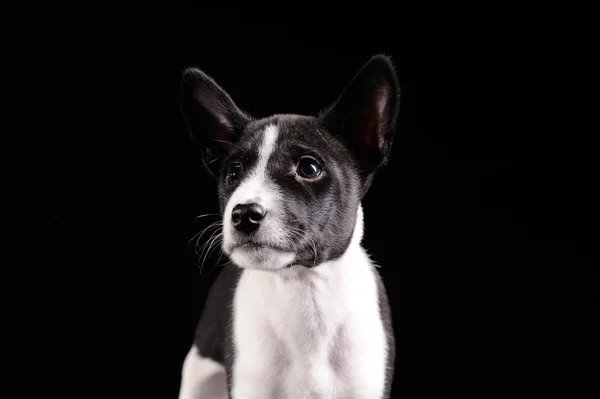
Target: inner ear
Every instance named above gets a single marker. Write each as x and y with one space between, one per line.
213 119
364 116
369 129
220 131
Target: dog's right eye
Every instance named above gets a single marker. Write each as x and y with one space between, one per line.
308 168
233 173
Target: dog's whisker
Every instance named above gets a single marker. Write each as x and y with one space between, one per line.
324 139
290 240
299 233
204 246
207 251
217 246
314 251
207 214
205 164
219 260
217 263
214 245
226 142
201 232
296 233
215 234
199 248
200 251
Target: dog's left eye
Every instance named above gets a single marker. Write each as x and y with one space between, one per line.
233 173
308 168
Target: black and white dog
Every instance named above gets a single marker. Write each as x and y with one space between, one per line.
300 311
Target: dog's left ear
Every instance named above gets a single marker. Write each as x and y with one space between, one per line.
213 119
365 115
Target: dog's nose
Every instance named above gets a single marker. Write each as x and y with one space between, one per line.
247 217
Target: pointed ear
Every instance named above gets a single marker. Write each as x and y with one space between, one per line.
212 118
365 115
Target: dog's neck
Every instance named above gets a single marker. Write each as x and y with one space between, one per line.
312 303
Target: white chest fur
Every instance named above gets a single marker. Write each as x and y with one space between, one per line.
310 333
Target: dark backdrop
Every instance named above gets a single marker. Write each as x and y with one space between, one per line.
110 187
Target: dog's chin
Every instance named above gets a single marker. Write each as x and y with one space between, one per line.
260 257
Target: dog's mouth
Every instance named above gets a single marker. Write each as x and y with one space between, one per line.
254 245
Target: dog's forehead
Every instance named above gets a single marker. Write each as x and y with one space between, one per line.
290 130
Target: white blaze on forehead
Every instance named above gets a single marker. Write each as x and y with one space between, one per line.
255 186
266 149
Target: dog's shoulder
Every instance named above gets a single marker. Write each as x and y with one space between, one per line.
213 330
388 326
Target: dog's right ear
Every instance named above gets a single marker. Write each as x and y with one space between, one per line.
365 115
212 118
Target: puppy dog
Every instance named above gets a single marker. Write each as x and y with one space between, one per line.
300 310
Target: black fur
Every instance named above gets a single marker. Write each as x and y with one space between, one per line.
214 332
350 140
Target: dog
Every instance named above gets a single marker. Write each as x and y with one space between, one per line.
299 310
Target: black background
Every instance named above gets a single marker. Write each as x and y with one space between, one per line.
107 190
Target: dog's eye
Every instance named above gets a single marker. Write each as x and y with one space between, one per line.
308 168
233 173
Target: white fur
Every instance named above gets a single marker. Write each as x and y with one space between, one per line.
310 333
257 187
202 378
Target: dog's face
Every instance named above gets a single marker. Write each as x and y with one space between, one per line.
290 185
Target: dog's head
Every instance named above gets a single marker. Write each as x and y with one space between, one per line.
290 186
